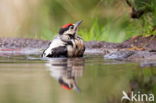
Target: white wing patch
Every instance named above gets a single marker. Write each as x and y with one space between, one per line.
54 44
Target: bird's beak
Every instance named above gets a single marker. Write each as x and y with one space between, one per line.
76 25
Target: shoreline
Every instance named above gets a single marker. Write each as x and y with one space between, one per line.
143 48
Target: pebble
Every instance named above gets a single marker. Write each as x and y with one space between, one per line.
119 55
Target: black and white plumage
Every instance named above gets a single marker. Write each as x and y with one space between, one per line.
67 43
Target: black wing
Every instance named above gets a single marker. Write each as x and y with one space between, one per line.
60 51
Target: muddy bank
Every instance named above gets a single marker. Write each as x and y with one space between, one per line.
147 42
136 48
35 43
22 43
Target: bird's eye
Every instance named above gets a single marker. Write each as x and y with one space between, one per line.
71 27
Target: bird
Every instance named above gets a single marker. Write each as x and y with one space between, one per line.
67 43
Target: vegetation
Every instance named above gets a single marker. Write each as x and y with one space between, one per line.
108 20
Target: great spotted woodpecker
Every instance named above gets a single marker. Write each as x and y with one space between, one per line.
67 43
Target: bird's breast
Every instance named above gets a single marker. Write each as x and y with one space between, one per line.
71 49
79 44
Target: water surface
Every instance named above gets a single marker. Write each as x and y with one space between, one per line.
92 79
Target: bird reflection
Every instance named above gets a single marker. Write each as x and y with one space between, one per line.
66 71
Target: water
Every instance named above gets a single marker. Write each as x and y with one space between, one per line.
92 79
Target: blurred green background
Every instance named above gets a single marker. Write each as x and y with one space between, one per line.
104 20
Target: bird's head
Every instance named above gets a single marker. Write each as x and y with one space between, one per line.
69 30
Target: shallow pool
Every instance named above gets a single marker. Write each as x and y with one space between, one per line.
92 79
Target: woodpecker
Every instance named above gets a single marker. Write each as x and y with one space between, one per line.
67 43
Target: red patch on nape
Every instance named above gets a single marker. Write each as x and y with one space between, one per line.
65 87
66 25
